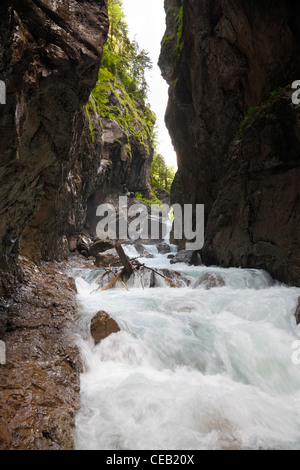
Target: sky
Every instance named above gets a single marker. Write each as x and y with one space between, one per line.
146 23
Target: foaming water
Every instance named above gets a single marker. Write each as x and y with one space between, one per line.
191 368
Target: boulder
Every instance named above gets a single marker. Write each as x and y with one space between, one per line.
163 248
100 246
179 279
187 256
103 260
102 325
142 251
210 280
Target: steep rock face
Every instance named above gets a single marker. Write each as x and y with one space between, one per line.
119 172
49 59
40 382
99 169
255 220
220 58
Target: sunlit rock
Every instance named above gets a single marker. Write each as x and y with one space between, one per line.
102 325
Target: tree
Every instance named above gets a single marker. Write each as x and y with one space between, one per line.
162 175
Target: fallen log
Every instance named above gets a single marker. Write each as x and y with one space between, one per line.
130 268
123 258
119 279
111 283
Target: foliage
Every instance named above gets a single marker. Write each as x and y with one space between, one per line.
148 202
121 94
178 17
253 109
162 175
121 90
179 21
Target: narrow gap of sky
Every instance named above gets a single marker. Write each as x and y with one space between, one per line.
146 23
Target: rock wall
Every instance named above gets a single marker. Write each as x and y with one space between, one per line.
221 58
40 382
49 59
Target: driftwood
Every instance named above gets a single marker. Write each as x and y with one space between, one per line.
111 283
124 260
118 278
129 269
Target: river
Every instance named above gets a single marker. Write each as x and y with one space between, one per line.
191 368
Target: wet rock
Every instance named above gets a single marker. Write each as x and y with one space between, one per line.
171 256
40 383
231 57
163 248
5 436
49 69
209 281
102 325
187 256
100 246
297 314
179 279
142 251
103 260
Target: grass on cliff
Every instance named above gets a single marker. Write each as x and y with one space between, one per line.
253 109
178 17
121 91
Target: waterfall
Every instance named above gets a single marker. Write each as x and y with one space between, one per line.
198 367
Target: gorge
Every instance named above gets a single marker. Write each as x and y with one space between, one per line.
76 132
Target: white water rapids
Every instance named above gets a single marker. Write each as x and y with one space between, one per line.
191 368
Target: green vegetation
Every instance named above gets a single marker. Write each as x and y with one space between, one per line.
121 90
178 16
148 202
162 175
253 109
179 21
121 94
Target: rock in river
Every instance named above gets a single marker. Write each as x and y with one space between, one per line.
102 325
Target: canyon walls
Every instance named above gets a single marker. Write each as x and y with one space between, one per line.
61 158
230 65
49 60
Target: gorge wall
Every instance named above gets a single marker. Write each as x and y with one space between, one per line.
223 61
58 161
49 60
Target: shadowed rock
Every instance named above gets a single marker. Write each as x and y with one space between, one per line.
229 59
188 257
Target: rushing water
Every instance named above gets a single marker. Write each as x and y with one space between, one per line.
192 368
